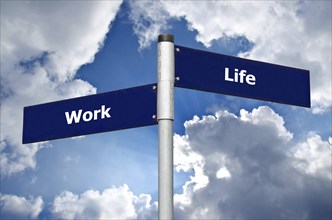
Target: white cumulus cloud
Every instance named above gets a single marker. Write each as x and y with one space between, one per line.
43 44
112 203
314 156
223 173
250 169
149 20
16 207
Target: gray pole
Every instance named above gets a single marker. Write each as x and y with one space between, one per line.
165 112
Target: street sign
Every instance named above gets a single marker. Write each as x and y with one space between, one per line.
137 107
218 73
122 109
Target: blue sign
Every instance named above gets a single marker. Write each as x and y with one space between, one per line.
122 109
212 72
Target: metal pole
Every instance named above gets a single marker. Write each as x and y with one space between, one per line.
165 112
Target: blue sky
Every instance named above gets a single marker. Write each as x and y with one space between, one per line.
234 158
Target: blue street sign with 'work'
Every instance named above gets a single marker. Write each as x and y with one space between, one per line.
122 109
236 76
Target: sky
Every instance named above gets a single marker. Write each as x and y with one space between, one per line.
234 158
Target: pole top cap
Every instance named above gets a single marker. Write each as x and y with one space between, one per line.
166 37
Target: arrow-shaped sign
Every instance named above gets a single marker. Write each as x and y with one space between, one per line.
122 109
218 73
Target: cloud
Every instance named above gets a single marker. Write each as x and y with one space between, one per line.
314 156
112 203
15 207
149 19
223 173
43 44
250 168
294 33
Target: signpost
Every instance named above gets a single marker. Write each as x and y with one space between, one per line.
117 110
165 110
218 73
152 104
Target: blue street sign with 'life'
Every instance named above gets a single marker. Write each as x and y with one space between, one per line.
122 109
218 73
